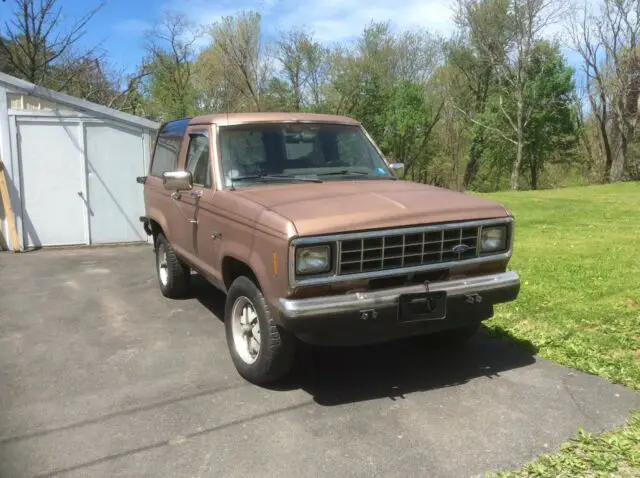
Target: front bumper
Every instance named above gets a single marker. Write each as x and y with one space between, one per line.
380 299
368 317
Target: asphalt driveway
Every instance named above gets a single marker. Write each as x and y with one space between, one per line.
102 376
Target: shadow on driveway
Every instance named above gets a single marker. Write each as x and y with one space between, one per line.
340 375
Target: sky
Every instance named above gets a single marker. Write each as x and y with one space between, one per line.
118 28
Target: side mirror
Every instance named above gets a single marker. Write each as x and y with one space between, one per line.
397 168
177 180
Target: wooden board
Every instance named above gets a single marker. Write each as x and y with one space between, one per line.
8 210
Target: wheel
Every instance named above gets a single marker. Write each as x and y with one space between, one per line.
261 351
173 274
459 335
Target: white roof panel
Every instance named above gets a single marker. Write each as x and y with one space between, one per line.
76 103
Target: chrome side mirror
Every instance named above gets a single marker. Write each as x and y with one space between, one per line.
177 180
397 168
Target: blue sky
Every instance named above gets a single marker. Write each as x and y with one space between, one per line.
119 26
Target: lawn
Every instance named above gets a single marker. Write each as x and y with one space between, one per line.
576 252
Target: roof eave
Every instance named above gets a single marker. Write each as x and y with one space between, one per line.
63 98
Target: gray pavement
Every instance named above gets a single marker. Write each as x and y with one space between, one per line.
102 376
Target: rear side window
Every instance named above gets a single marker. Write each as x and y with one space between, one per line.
168 144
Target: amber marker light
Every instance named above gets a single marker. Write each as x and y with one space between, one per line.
275 264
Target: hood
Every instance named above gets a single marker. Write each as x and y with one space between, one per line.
340 206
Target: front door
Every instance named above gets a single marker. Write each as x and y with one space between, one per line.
197 202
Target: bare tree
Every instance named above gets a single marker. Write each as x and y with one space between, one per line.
34 40
237 41
530 19
291 53
583 34
418 54
303 62
609 44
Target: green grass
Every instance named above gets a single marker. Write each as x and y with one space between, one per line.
610 454
576 250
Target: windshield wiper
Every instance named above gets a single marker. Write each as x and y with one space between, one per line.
277 177
346 172
341 172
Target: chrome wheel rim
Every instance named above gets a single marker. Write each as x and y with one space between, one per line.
163 266
246 330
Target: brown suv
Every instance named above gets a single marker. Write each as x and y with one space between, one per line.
309 231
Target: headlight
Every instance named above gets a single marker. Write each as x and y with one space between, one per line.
493 239
312 260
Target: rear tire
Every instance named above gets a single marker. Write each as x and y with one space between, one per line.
261 351
173 274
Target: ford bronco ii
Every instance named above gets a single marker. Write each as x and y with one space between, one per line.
312 235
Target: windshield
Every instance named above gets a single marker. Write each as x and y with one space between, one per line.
279 152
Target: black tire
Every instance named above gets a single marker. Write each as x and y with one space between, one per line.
175 283
275 354
459 335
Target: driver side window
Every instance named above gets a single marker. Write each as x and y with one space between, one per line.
198 159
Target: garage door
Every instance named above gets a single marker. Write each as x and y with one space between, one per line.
52 184
114 159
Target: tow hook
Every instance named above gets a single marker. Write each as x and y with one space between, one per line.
370 314
474 298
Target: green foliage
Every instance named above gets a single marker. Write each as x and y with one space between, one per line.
171 92
550 132
404 123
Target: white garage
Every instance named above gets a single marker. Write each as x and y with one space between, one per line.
71 168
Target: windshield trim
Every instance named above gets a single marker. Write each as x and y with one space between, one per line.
219 179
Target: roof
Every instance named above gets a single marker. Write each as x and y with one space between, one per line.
76 103
225 119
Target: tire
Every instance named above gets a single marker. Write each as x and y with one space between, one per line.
173 274
270 357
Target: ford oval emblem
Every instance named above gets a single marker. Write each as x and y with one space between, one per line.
460 249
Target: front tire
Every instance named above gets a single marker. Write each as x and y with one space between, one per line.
261 351
173 274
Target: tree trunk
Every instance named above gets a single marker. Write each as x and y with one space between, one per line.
474 161
602 118
534 174
618 163
515 172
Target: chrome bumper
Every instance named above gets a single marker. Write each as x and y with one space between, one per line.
319 306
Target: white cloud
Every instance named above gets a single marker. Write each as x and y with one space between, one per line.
329 20
339 20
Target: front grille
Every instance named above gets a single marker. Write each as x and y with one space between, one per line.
396 251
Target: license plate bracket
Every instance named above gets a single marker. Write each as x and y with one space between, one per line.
421 307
